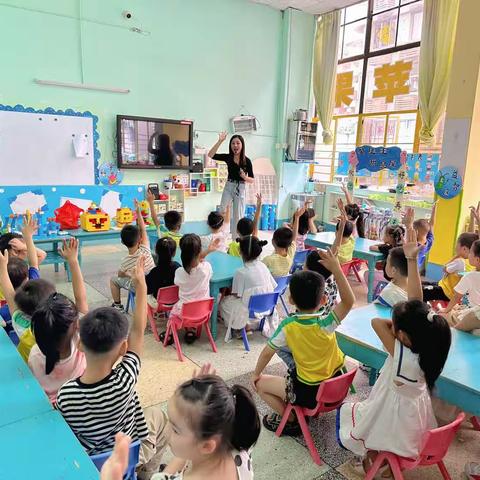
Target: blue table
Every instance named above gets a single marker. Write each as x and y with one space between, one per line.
459 383
199 227
53 257
362 251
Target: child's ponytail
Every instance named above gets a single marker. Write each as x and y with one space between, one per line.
356 215
246 428
251 247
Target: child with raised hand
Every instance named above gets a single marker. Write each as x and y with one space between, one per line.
252 279
398 411
246 227
55 358
396 268
310 339
284 242
354 213
219 225
214 428
424 229
135 238
103 401
193 277
305 225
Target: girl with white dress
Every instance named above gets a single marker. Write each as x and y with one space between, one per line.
398 411
252 279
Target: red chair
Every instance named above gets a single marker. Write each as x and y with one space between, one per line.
331 394
194 315
354 265
435 447
167 297
437 304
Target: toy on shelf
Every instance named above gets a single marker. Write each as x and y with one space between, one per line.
95 219
68 215
145 211
124 216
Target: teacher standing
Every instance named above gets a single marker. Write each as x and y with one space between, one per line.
240 172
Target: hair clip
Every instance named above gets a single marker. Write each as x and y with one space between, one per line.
431 316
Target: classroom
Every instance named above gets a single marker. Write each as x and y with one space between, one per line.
239 239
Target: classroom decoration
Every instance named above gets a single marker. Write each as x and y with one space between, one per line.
448 182
67 216
95 219
28 201
145 211
123 217
109 174
48 145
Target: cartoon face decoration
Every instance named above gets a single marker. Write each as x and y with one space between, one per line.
124 216
95 222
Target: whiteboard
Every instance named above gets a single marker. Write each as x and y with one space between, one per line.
39 149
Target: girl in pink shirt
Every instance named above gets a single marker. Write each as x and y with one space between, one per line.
55 358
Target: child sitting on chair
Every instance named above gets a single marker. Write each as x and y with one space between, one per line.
284 242
246 227
396 269
424 230
135 238
305 225
312 342
219 224
172 220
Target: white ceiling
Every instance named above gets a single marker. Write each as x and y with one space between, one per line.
310 6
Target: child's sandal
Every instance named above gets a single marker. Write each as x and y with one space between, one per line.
170 338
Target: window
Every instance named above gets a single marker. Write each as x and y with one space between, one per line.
376 97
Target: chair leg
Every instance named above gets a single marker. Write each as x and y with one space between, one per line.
167 333
245 340
177 343
357 275
353 391
475 422
153 325
262 323
210 337
285 416
199 331
443 470
308 437
370 475
284 305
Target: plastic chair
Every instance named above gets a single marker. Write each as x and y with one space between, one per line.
433 451
167 297
264 304
331 394
133 455
282 285
194 315
299 260
354 265
130 301
437 304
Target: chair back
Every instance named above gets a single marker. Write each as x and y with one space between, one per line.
196 313
332 392
346 267
262 303
282 283
167 296
299 260
133 456
437 441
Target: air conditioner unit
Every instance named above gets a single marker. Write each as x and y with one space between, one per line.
244 123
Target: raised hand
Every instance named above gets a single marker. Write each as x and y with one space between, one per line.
150 196
329 260
409 217
117 463
299 212
214 244
259 200
205 369
341 208
222 136
30 226
411 247
69 250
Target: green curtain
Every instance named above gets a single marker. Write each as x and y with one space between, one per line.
436 52
325 69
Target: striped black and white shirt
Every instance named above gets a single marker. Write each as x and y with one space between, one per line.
98 411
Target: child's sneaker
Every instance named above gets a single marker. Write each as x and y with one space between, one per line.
118 306
472 471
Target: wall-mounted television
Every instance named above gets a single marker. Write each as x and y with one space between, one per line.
154 143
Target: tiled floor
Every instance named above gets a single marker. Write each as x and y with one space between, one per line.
274 458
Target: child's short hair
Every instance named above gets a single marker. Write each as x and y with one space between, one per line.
307 289
467 239
191 247
397 232
215 220
475 248
5 240
173 220
17 271
130 235
399 260
245 227
251 247
282 237
422 225
52 323
32 294
102 329
312 263
348 229
165 249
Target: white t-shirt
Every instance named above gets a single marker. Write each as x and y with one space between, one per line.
223 234
252 279
391 295
455 266
470 284
194 285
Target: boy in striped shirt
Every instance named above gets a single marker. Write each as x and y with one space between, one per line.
103 401
135 238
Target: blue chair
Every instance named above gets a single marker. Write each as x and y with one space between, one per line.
299 260
378 289
282 285
133 456
263 303
130 301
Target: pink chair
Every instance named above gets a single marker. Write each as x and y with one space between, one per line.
435 447
194 315
167 297
354 265
331 394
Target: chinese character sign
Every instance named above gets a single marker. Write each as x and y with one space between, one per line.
375 159
392 80
344 89
448 182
